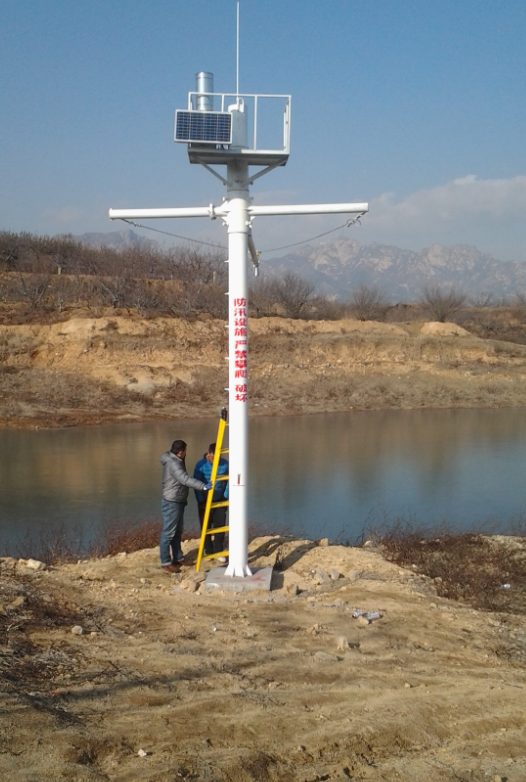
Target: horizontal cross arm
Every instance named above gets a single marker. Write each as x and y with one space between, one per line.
309 209
253 210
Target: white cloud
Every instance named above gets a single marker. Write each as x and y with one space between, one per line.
65 215
487 213
466 198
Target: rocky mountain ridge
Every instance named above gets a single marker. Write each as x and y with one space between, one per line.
338 266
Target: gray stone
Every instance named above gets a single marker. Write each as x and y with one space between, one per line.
77 630
342 643
35 564
327 657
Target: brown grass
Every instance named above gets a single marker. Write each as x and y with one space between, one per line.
469 567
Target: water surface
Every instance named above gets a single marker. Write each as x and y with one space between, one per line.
320 476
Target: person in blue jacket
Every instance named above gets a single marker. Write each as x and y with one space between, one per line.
203 471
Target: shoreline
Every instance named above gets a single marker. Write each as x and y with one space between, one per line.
92 421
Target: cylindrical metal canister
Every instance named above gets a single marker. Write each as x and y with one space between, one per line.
205 84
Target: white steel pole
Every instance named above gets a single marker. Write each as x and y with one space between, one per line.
238 224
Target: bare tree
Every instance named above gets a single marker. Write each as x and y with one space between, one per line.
481 300
369 303
262 298
294 294
33 288
442 303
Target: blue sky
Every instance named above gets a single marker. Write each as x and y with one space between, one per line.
418 107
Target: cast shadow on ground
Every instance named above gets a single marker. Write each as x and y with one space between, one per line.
270 547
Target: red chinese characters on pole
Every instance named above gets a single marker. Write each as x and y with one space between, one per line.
240 356
241 393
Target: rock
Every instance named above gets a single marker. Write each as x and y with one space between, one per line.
314 630
334 575
142 754
354 575
18 602
498 778
144 581
324 542
327 657
292 590
77 630
121 555
35 564
362 620
189 585
407 685
342 643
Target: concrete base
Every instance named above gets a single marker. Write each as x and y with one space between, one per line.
260 579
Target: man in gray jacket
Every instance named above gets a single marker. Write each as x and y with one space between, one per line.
176 485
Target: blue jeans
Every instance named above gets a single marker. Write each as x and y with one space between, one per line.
173 513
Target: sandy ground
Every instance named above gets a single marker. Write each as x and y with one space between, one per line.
281 686
123 367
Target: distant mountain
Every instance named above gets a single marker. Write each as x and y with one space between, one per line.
338 266
117 240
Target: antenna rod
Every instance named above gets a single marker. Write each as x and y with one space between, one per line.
237 55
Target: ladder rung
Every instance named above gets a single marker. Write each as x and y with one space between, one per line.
222 478
214 556
224 450
219 504
216 530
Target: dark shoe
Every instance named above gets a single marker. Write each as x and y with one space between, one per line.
171 568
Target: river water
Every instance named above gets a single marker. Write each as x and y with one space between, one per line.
319 476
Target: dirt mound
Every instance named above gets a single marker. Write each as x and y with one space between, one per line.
90 370
125 673
444 330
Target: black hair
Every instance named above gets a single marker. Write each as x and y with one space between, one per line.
178 446
212 448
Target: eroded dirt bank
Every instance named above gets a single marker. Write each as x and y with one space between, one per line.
276 687
126 368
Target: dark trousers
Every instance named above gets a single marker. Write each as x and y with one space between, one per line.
173 518
214 544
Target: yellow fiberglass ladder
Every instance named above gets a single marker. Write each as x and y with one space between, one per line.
214 478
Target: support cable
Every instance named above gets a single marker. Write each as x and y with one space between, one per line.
347 224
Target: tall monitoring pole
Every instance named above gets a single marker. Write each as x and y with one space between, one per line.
215 126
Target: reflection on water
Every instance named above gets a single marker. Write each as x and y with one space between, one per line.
316 475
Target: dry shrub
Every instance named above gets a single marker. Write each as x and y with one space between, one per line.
465 566
131 538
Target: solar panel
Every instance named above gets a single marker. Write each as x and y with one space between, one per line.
205 127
